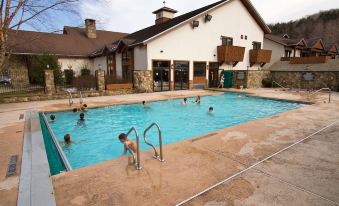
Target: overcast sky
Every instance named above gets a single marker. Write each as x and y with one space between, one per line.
132 15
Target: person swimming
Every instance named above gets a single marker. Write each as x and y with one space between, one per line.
184 101
52 118
127 143
75 110
197 100
144 103
67 139
210 110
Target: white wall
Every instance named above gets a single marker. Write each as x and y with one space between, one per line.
200 44
76 64
278 51
100 61
140 58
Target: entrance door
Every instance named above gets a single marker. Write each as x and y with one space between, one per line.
228 76
181 75
161 76
213 75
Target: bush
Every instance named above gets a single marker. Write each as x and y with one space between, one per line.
69 76
267 82
85 72
38 64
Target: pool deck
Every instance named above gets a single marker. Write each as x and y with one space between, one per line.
306 174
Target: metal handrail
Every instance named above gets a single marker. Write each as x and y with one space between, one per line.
70 98
156 155
278 84
57 145
329 93
81 100
137 164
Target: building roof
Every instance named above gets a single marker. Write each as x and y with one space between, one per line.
331 47
165 9
73 42
152 31
285 41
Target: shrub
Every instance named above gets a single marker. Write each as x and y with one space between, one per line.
267 82
85 72
38 64
69 76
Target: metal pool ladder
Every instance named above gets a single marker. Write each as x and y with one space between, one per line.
156 155
136 160
70 98
322 89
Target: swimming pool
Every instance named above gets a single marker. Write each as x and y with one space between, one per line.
97 139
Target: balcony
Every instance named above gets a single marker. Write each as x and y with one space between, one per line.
260 56
232 54
308 60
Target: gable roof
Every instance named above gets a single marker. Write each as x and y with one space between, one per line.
285 41
152 31
73 42
311 43
331 47
165 9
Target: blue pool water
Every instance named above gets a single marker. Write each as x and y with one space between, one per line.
97 139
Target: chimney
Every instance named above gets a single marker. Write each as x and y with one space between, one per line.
91 30
164 14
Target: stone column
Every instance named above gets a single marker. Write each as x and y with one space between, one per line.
49 82
100 75
143 80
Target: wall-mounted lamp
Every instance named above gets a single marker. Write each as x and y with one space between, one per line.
99 65
208 17
195 24
47 66
161 51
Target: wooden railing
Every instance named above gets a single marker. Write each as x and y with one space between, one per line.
308 60
233 54
260 56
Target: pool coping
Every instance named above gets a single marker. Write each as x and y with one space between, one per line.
35 186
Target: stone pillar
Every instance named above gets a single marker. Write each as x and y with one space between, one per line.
100 75
190 84
143 80
49 82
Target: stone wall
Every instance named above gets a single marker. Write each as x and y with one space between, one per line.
249 78
100 75
143 80
18 71
49 82
296 79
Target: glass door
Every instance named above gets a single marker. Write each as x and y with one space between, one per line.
213 75
181 75
161 76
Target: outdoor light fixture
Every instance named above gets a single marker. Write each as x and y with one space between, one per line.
47 66
195 24
99 65
208 17
161 51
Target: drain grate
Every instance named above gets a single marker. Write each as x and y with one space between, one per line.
21 116
11 170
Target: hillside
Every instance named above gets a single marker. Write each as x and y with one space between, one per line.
324 24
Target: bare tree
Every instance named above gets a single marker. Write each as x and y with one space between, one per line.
15 13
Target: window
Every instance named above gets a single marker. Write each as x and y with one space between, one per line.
227 41
199 69
242 36
256 45
126 55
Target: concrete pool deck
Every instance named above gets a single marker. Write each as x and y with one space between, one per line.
300 176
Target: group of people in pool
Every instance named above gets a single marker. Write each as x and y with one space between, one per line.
128 143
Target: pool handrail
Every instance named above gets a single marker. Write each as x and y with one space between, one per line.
57 145
70 98
322 89
156 155
80 98
137 164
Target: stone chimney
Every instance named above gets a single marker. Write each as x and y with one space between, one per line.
164 14
91 30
